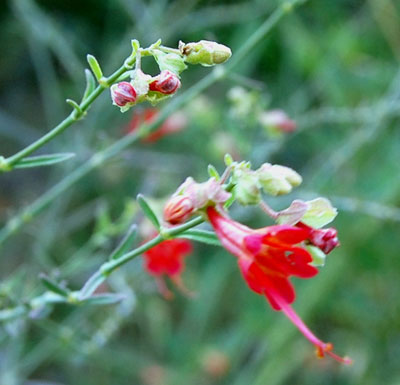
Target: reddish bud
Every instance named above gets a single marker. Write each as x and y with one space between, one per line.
324 239
166 83
178 209
123 93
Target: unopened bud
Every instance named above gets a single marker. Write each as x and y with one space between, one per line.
206 53
277 122
247 188
324 239
123 93
178 209
166 83
203 194
277 180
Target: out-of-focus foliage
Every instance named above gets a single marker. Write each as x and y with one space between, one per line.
333 66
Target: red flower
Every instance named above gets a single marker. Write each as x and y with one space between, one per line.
167 258
166 83
175 123
267 258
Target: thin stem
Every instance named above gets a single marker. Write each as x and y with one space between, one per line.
269 210
99 159
72 118
169 50
107 268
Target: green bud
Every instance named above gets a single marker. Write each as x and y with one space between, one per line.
207 53
277 180
170 61
247 189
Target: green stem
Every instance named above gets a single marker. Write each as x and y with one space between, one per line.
67 122
107 268
99 159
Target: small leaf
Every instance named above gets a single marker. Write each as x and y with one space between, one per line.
228 160
125 244
53 286
293 214
320 213
95 67
103 299
317 255
90 84
213 173
202 236
148 211
12 313
43 160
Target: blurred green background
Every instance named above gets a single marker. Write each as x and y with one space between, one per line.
333 66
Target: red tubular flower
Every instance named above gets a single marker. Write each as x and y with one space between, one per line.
167 258
175 123
267 258
166 83
123 93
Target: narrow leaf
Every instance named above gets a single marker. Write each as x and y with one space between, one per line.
148 211
103 299
90 84
202 236
213 173
125 244
53 286
43 160
95 67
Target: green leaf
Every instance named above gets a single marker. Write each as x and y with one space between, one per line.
43 160
103 299
228 160
203 236
148 211
95 67
53 286
317 255
125 244
90 84
319 213
213 173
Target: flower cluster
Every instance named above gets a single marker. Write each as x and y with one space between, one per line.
171 62
267 257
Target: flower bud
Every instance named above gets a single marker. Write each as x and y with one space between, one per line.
206 53
276 122
203 194
178 209
277 180
166 83
123 93
325 239
247 189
